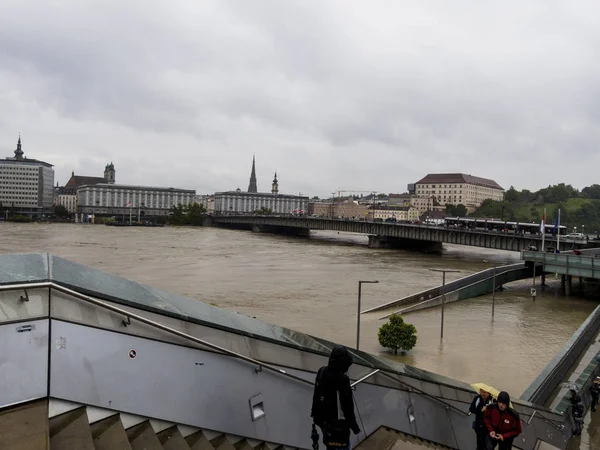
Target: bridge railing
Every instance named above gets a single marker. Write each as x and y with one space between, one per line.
432 293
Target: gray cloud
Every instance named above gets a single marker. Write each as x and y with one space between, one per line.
339 94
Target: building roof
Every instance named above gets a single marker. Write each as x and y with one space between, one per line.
77 180
264 194
104 184
400 195
434 215
451 178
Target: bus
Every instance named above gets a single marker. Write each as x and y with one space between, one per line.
501 226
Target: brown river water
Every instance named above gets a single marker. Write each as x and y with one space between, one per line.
310 285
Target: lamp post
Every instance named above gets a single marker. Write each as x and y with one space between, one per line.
493 289
444 272
358 311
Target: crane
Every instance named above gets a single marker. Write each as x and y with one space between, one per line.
340 191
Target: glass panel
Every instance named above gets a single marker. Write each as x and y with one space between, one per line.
23 268
120 290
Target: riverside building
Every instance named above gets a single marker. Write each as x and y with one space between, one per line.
26 185
121 199
458 188
239 202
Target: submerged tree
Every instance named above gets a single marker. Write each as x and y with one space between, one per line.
397 334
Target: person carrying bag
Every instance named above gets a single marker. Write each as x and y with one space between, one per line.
333 406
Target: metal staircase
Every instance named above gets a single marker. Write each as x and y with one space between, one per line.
58 425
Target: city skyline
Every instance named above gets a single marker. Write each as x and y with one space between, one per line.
337 95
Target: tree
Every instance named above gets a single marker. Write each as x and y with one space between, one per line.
459 210
61 211
397 334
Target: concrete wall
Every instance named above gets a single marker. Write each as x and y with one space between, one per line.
543 386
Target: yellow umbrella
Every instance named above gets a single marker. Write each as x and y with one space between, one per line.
486 387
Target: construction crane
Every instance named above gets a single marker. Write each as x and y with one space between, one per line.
340 191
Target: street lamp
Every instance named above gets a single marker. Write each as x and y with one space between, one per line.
493 289
358 312
444 272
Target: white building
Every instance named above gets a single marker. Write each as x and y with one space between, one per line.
67 195
26 185
250 202
116 199
399 213
208 201
458 188
238 202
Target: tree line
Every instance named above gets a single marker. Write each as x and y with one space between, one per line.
577 207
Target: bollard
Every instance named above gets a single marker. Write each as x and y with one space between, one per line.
533 293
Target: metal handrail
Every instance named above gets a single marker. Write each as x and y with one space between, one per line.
130 315
369 375
408 306
433 397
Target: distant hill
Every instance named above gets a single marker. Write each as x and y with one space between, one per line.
577 207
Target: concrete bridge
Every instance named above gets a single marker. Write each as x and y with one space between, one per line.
389 235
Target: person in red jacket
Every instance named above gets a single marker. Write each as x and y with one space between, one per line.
502 422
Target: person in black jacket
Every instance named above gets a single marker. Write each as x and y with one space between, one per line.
595 391
477 407
331 380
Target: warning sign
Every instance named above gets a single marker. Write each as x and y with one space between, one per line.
132 354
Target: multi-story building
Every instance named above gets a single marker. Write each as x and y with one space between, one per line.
120 199
208 201
458 188
399 213
237 202
345 209
421 204
67 195
26 185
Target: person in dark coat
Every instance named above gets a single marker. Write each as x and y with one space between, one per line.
331 380
502 422
595 391
478 406
577 411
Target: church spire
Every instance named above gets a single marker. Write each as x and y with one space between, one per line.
252 186
19 151
275 185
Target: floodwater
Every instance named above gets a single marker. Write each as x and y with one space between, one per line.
310 285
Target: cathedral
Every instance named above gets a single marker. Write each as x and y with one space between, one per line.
252 201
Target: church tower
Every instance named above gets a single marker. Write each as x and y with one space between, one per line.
109 173
19 151
252 186
275 185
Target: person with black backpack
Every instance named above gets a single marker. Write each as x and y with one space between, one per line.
333 405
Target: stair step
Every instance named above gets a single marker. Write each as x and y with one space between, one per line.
25 427
142 437
71 431
198 441
109 434
171 439
222 443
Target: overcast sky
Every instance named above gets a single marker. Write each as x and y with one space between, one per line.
330 94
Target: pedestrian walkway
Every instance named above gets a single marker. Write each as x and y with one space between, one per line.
590 436
584 363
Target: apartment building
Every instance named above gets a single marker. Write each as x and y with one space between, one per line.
26 185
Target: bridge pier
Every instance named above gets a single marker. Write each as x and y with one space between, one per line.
377 241
569 285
